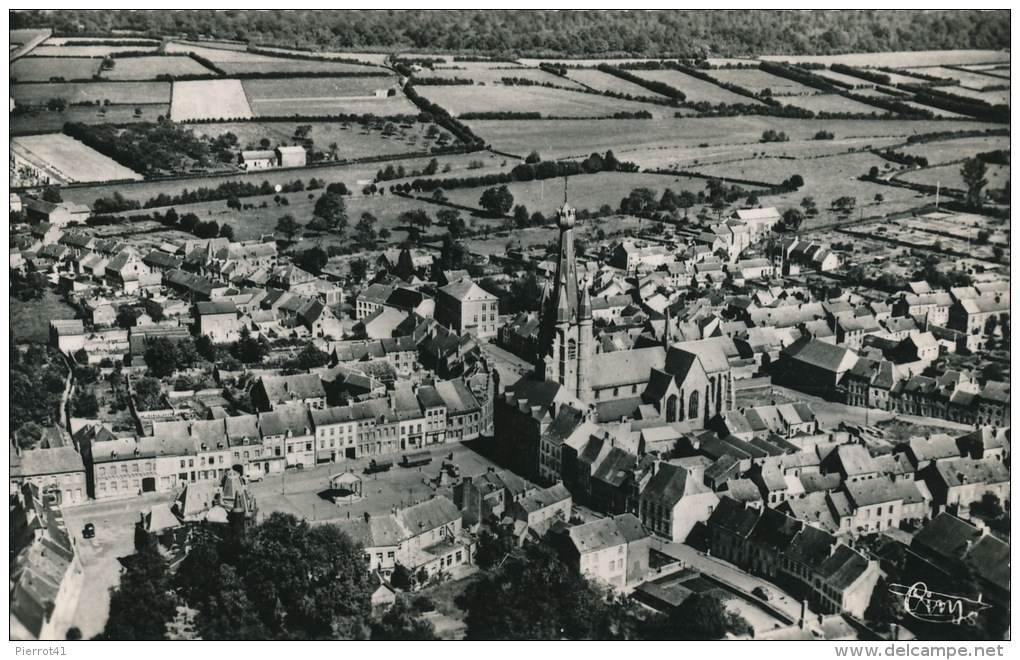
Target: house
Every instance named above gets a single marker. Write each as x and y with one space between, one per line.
612 550
58 473
814 366
540 509
958 482
218 321
58 214
490 495
464 307
291 156
128 273
46 573
464 419
672 502
435 540
67 335
257 159
372 298
272 391
380 324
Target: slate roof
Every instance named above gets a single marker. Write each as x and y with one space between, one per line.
541 499
842 568
962 471
428 515
670 484
620 368
59 460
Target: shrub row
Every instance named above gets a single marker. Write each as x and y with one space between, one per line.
655 86
863 74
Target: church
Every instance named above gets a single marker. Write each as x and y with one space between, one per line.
683 385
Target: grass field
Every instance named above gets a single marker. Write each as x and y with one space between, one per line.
695 89
71 160
353 142
559 139
300 88
971 80
209 99
41 69
901 59
44 120
369 58
609 83
70 50
995 97
842 77
938 112
459 99
147 68
218 54
948 176
492 74
343 105
128 92
953 150
350 175
30 321
757 80
832 103
281 65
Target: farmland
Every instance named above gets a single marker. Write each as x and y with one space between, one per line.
832 103
147 68
353 141
35 121
995 97
900 59
96 92
948 176
209 99
368 58
460 99
609 83
757 80
695 89
560 139
954 150
297 88
325 96
280 65
970 80
483 74
42 69
69 160
218 54
48 49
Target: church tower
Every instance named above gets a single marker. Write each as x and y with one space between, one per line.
565 331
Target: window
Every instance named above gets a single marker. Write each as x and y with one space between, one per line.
102 472
237 456
389 555
693 410
612 565
134 468
191 462
619 550
220 457
378 557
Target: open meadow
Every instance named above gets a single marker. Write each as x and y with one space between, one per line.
695 89
757 80
217 55
993 96
607 82
70 160
92 92
832 103
948 176
460 99
147 68
298 88
30 321
954 150
49 49
899 59
352 140
369 58
578 138
493 73
40 120
42 69
209 99
282 65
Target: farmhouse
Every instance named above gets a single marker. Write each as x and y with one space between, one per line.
257 160
59 215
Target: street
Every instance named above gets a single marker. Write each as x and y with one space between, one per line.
295 491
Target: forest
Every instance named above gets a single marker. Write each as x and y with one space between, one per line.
535 33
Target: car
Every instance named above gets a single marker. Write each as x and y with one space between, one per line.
254 475
763 593
89 531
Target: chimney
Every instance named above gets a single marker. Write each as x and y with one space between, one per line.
802 623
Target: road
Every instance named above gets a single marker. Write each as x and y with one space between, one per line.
731 575
295 491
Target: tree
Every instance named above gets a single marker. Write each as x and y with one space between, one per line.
27 287
792 219
497 201
225 611
641 201
365 230
162 357
306 581
453 255
492 548
310 357
417 217
142 604
402 622
686 200
533 158
973 173
703 616
288 226
989 506
52 194
454 223
314 259
521 216
431 168
126 316
148 393
85 405
534 595
302 132
752 200
227 232
809 206
879 198
337 188
844 204
247 349
332 210
402 578
359 269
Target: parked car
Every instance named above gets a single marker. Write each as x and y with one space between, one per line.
89 531
378 466
254 475
763 593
